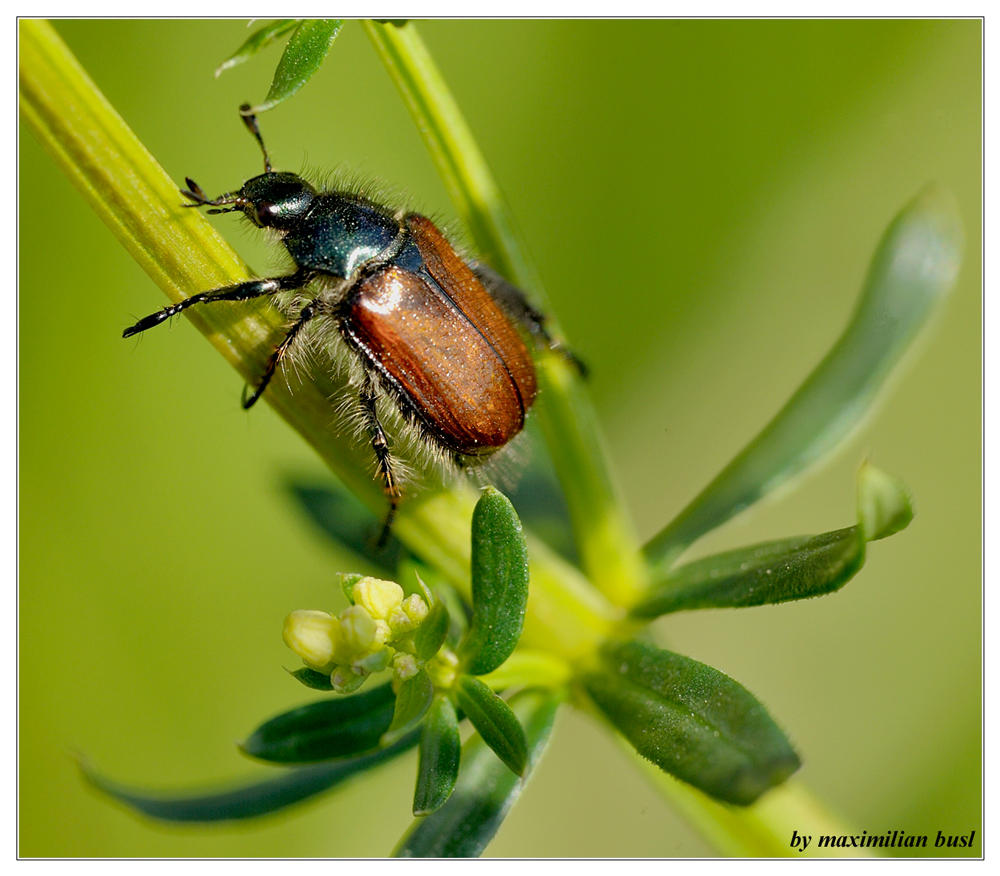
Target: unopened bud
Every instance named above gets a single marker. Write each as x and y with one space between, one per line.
404 666
357 633
415 608
314 636
378 596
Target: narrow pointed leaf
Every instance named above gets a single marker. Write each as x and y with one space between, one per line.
793 568
249 801
774 571
304 55
412 702
913 270
692 721
258 40
499 584
440 750
485 791
432 632
312 679
494 720
340 726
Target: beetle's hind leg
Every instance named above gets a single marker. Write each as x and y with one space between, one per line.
383 456
514 303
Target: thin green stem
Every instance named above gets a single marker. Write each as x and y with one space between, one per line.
607 544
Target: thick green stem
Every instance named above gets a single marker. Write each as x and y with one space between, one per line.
183 254
763 830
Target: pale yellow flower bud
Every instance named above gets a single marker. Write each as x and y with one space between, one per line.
377 596
357 633
443 668
415 608
382 632
399 622
404 666
314 636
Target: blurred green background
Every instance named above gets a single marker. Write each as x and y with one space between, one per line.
701 199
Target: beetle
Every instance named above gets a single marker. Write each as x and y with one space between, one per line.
437 337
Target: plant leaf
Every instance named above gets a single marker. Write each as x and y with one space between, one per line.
499 584
486 789
691 721
913 270
432 632
774 571
303 56
494 720
312 679
792 568
440 750
340 726
249 801
412 702
257 41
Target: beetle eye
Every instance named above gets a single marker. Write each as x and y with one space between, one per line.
266 212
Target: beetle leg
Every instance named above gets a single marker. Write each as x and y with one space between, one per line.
383 456
239 292
515 304
305 314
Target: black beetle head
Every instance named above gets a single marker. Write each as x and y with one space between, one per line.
276 200
271 200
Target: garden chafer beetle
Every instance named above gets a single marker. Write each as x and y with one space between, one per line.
437 337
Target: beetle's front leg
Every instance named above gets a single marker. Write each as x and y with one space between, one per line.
240 292
306 314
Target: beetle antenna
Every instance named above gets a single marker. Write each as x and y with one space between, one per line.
250 120
198 198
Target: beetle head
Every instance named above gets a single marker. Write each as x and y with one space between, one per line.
271 200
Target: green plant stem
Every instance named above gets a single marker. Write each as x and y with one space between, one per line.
763 830
604 535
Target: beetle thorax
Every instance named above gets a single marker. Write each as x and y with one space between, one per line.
341 233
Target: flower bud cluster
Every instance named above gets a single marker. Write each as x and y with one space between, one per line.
362 640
